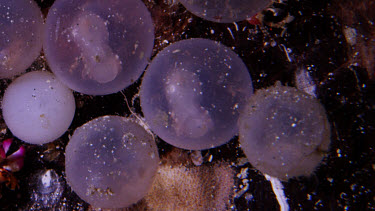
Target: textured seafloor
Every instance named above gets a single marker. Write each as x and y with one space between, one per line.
305 35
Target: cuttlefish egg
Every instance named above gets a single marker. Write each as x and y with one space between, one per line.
284 132
192 93
111 162
225 11
38 108
98 47
21 35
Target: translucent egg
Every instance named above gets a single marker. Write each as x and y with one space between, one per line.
21 30
192 93
38 108
98 47
225 11
111 162
284 132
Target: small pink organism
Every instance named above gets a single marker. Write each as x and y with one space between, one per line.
9 164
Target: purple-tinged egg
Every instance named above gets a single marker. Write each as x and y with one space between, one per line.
192 93
38 108
98 47
21 35
225 11
111 161
284 132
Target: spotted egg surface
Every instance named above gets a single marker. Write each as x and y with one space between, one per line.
225 11
192 93
21 36
111 162
38 108
284 132
98 47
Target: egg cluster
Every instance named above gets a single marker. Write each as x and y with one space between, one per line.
196 94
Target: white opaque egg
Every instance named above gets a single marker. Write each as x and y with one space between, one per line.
38 108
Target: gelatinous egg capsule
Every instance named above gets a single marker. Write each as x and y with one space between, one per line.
98 47
111 162
21 25
284 132
192 92
225 11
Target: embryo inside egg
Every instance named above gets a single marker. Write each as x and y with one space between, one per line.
98 47
91 35
192 93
